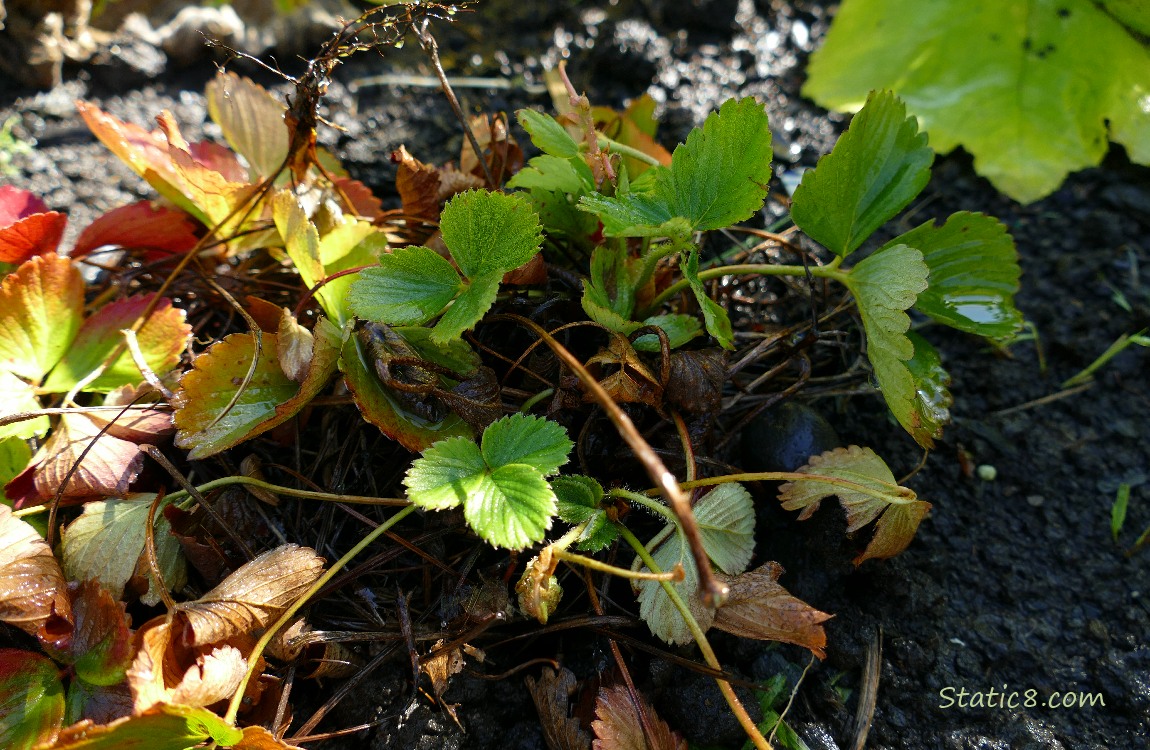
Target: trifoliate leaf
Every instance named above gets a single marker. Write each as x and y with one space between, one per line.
1030 100
409 287
446 475
252 121
878 496
31 700
716 318
490 232
41 305
877 167
524 439
726 519
547 134
679 329
973 274
474 300
512 507
885 285
106 541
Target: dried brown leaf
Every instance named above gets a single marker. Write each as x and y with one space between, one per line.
258 738
878 496
442 666
108 468
617 725
695 385
631 382
251 598
552 697
295 345
32 588
418 185
758 607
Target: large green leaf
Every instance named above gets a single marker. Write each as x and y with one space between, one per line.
41 305
1027 86
973 274
409 287
524 439
717 178
488 232
877 167
885 285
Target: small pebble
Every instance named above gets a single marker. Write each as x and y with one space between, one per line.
1035 501
987 473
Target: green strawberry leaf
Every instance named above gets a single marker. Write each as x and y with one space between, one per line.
490 232
656 607
876 168
679 329
162 340
931 381
1030 100
524 439
17 397
505 496
636 214
552 173
351 244
161 727
726 518
41 306
409 287
476 298
547 134
581 501
715 317
973 274
885 285
31 700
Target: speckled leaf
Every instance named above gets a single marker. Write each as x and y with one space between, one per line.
162 340
41 305
973 274
876 168
885 285
31 700
878 496
1031 89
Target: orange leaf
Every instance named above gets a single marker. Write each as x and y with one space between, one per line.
758 607
158 229
32 588
41 304
617 725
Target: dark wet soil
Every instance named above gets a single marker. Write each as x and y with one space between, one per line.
1012 584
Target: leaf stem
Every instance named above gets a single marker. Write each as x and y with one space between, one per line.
700 637
290 612
677 574
290 492
615 147
644 500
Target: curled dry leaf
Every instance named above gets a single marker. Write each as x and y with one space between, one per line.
878 496
295 345
165 672
758 607
538 589
32 588
418 185
108 468
552 697
617 725
253 597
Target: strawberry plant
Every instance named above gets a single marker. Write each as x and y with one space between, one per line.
540 341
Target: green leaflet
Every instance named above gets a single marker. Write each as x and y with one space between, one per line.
973 274
877 167
717 178
31 699
547 134
885 285
488 232
580 500
718 323
502 485
409 287
1026 86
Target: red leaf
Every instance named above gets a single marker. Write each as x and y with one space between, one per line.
15 204
33 235
159 229
219 159
31 699
363 201
41 304
617 725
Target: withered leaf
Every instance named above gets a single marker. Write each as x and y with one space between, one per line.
478 400
758 607
252 597
442 665
101 642
109 467
32 588
897 509
418 185
696 382
258 738
165 672
502 153
295 345
632 382
552 697
617 725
